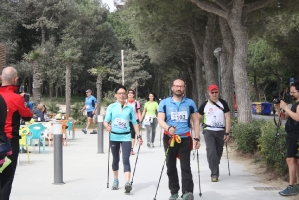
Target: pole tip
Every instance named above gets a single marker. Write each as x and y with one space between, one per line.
200 194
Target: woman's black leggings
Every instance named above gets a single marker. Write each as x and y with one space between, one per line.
126 150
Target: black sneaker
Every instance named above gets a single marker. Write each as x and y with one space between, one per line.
94 132
84 131
128 187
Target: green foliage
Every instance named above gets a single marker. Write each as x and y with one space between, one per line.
259 136
274 152
108 98
246 135
77 114
52 107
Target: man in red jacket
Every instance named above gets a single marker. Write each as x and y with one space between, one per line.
15 110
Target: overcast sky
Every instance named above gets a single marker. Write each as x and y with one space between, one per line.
110 4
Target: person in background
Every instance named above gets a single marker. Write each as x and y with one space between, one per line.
38 114
90 106
149 118
216 126
15 110
136 106
292 140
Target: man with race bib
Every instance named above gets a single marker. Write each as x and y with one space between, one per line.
118 116
216 124
175 116
90 106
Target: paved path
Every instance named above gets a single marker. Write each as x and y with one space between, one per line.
85 176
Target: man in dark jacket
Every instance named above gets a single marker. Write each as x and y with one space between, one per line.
15 110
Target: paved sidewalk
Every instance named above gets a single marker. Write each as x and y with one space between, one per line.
85 175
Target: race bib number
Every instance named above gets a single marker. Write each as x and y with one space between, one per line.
181 116
121 123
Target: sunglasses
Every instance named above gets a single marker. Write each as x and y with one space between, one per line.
131 92
214 92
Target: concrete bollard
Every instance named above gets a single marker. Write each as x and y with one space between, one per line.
58 164
100 134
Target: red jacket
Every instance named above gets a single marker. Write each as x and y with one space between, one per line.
15 110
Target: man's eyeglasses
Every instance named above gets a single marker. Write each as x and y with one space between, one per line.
293 92
214 92
121 93
179 86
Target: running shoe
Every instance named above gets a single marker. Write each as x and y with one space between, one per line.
148 144
132 152
188 196
296 186
128 187
94 132
289 191
214 179
115 184
152 145
84 131
174 196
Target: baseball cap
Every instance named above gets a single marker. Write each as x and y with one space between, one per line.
213 87
89 90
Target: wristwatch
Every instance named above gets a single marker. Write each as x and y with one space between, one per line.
169 128
227 134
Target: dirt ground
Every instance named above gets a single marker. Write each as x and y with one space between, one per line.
259 170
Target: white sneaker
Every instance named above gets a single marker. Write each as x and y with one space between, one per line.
152 145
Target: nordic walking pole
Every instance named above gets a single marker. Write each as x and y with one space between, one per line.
193 150
200 194
135 165
161 172
108 163
227 159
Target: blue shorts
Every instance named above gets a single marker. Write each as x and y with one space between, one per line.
89 114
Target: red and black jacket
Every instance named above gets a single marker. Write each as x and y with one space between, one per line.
15 106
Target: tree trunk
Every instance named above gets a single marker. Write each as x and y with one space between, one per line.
37 82
240 34
99 93
56 92
235 14
68 88
226 60
2 57
30 86
43 36
192 86
200 82
208 51
50 90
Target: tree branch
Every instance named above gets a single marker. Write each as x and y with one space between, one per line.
257 5
222 5
210 8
